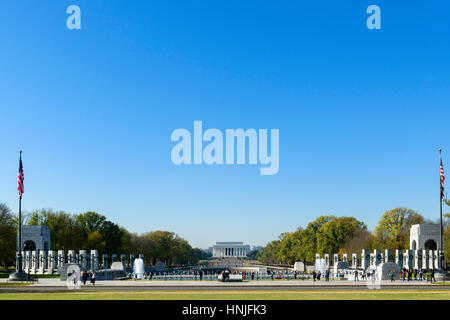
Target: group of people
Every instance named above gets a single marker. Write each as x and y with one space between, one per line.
84 277
417 275
317 275
226 275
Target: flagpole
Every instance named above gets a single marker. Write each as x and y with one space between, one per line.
19 267
19 275
441 254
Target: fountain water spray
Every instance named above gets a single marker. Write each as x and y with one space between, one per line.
138 269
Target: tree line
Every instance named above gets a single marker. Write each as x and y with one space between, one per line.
91 230
330 235
326 234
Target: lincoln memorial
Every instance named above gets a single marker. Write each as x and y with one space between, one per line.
230 249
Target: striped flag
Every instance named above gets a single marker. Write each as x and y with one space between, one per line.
442 180
20 178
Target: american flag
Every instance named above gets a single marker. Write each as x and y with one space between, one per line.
20 178
442 181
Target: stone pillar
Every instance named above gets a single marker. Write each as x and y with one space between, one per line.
141 256
365 259
23 260
335 259
71 258
417 259
439 262
317 257
123 259
345 257
82 257
388 256
405 260
327 260
114 258
26 264
42 261
399 258
430 259
378 257
105 264
88 261
34 261
425 259
132 257
354 261
61 259
435 259
409 259
372 260
94 259
51 261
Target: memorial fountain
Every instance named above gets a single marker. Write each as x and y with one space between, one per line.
138 269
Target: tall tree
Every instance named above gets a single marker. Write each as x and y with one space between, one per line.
392 231
8 231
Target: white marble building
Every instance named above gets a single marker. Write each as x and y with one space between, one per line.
425 236
230 249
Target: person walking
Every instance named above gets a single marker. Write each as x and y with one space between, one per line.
432 276
392 274
314 276
85 276
93 277
356 275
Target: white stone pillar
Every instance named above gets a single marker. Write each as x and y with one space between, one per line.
345 257
34 261
42 261
430 259
23 260
435 259
71 258
82 257
372 260
377 257
335 259
365 259
425 259
94 259
354 260
61 258
388 256
51 261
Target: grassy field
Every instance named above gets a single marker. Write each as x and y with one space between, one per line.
237 295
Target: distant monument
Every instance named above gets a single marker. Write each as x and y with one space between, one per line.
230 249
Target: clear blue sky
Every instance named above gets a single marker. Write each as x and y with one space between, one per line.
361 113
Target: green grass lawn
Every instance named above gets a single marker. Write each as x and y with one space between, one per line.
237 295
